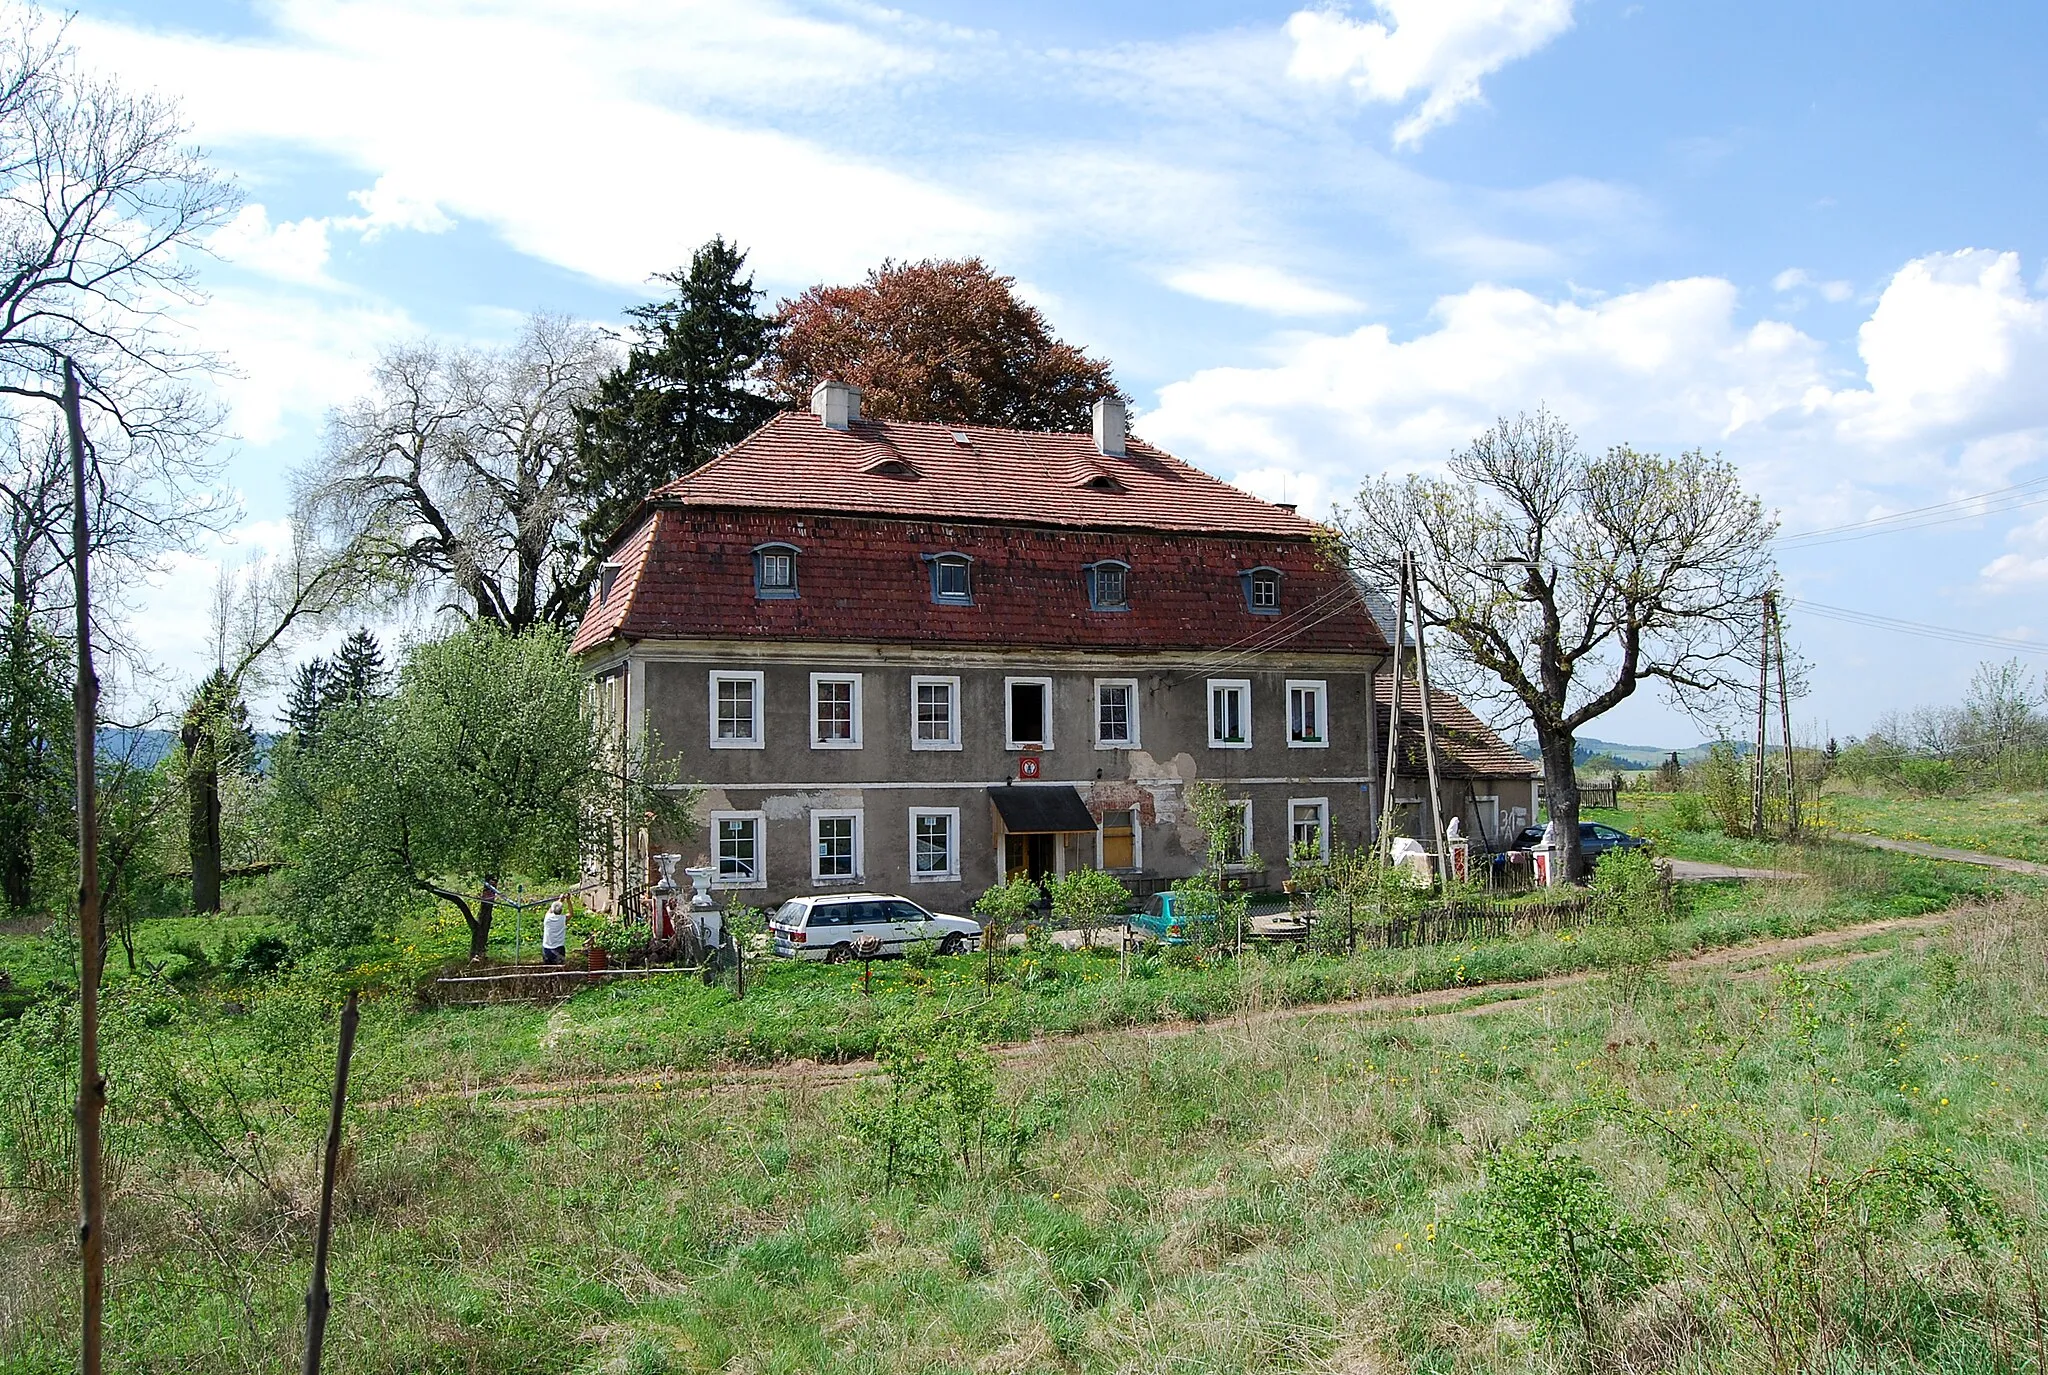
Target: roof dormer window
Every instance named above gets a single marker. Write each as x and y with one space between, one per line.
1109 585
952 579
607 579
1261 590
775 571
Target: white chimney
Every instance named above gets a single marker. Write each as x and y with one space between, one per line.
836 403
1109 426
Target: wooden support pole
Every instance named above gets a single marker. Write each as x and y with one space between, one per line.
92 1086
316 1292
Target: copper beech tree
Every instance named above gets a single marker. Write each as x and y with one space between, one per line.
940 340
1558 583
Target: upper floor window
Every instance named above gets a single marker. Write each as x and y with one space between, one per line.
1028 716
952 579
1109 585
1116 713
775 571
934 713
736 711
1230 714
1262 590
1306 726
835 711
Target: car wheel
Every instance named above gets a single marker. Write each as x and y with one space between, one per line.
839 954
950 945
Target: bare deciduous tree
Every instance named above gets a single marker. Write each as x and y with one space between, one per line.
453 476
1562 583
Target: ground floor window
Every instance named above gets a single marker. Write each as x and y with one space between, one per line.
739 838
934 844
1237 843
1308 829
835 846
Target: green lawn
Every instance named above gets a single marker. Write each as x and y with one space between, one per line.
2014 824
1296 1197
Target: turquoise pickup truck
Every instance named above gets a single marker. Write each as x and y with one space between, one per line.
1165 917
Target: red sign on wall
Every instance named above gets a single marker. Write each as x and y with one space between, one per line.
1027 766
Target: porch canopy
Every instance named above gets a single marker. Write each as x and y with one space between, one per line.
1039 808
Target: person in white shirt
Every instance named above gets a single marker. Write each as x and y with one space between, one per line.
554 933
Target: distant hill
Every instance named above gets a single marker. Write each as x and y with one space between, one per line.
1631 756
145 749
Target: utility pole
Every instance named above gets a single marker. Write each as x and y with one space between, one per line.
1785 718
1763 709
1394 711
92 1087
1436 810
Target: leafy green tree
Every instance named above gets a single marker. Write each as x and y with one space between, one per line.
1001 907
35 756
680 398
1088 898
486 762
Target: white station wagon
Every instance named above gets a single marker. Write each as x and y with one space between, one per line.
827 928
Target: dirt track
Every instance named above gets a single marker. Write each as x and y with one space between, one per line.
1752 959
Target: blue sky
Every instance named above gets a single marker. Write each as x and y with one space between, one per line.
1316 243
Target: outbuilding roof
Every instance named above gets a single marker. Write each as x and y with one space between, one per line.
1466 747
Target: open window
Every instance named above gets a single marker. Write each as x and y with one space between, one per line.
1230 714
1027 716
775 571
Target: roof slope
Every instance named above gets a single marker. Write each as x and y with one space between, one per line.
1466 746
688 573
972 472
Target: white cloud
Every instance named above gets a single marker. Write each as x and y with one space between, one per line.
1955 382
1795 278
295 251
1259 287
388 205
292 356
2024 569
1440 48
607 139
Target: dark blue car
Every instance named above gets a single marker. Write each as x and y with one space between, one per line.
1595 840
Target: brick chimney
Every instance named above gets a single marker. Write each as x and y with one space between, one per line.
1109 426
836 403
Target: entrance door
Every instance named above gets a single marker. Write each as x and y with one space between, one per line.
1028 856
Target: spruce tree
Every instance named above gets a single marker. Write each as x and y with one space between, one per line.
682 396
357 673
306 701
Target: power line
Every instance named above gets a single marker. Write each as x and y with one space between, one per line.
1951 634
2033 492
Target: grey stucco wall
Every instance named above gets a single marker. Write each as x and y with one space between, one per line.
788 778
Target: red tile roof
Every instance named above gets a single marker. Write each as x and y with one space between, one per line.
687 572
1466 746
972 472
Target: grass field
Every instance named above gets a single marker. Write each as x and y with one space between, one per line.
2014 824
1250 1194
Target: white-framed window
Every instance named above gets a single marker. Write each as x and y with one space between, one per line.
1116 713
934 713
1027 713
1308 725
739 842
1230 713
1308 826
736 706
1119 841
835 711
1238 852
835 847
934 844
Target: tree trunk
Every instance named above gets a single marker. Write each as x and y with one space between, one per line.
202 793
480 923
1561 788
